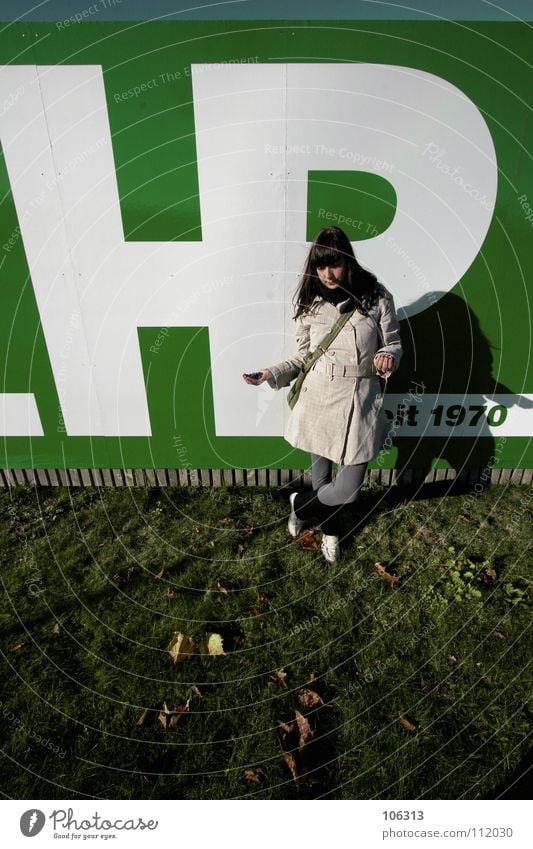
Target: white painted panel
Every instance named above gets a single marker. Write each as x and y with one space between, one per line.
419 132
94 290
19 415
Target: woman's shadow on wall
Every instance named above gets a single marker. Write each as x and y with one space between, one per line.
444 353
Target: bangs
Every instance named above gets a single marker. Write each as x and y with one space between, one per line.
326 255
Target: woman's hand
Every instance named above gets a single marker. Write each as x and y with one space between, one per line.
384 364
256 381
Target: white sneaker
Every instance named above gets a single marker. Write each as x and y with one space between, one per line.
295 524
330 548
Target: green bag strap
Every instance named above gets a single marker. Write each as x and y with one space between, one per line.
324 344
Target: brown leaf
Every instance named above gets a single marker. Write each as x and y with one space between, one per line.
56 629
261 598
222 588
463 517
499 635
170 718
249 530
309 699
307 540
181 646
410 726
161 574
288 729
304 729
196 691
256 776
291 763
278 677
452 658
227 520
18 647
116 577
240 550
381 572
170 593
147 717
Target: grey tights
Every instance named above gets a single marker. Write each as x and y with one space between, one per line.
344 489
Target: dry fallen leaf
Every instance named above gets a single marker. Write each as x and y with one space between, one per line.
161 574
307 540
309 699
240 550
489 576
297 755
144 717
181 646
410 726
170 718
147 717
278 677
256 776
452 658
381 572
56 629
304 729
215 645
222 588
227 520
499 635
196 691
18 647
291 763
170 593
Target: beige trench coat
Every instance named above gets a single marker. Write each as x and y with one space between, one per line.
339 411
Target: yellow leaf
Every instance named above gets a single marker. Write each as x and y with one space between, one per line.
181 646
215 645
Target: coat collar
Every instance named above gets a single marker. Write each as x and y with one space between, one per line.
342 306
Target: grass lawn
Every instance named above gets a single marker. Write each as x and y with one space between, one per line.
409 684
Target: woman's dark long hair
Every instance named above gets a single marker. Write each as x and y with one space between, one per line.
332 247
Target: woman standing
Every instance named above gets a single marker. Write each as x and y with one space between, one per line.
338 416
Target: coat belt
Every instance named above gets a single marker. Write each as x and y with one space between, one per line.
337 370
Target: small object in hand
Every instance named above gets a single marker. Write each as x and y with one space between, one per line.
255 375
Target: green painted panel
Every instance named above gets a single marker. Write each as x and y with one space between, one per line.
362 204
476 339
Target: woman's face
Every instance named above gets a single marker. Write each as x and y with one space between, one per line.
330 275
